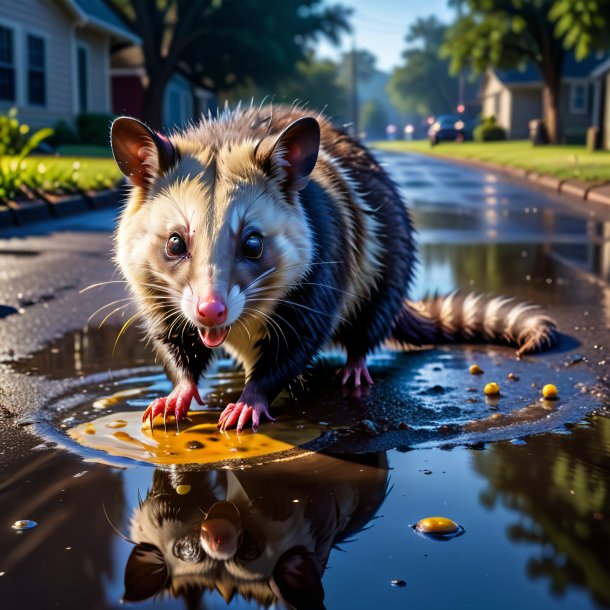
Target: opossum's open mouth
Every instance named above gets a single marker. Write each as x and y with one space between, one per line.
214 337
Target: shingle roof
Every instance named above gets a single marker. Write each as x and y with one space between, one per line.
99 13
572 68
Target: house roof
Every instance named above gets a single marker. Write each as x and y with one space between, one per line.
572 68
99 15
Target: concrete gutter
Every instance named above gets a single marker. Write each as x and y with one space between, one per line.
20 213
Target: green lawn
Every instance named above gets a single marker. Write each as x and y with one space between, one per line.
562 161
57 175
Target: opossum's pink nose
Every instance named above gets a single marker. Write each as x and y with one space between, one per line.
211 310
219 538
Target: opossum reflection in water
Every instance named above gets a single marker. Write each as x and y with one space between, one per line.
273 233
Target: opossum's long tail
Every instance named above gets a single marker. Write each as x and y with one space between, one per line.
472 318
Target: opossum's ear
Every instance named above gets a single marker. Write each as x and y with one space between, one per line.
141 153
296 581
296 151
146 573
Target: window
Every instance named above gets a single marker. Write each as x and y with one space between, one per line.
579 98
37 89
83 79
7 64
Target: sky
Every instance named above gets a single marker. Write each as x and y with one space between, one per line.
380 26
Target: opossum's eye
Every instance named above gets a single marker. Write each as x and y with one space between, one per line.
250 549
252 246
175 246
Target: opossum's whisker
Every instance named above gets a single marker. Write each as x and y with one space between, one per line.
293 304
108 305
99 284
110 314
273 321
124 328
241 322
274 325
259 278
263 288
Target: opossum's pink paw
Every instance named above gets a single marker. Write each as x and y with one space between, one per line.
241 413
175 405
356 367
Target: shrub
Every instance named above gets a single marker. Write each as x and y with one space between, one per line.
63 134
489 131
94 128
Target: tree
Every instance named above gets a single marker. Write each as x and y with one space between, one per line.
584 26
374 119
317 86
225 42
423 84
366 64
508 34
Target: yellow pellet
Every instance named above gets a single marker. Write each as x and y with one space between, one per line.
182 490
550 391
437 525
475 369
491 389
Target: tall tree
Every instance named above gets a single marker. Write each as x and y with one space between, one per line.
423 83
225 42
508 34
584 25
316 85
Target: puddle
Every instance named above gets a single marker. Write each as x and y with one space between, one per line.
420 399
197 442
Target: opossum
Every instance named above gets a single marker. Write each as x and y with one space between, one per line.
242 533
272 233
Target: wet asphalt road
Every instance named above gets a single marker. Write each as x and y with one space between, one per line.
477 230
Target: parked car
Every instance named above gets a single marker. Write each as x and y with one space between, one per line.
447 128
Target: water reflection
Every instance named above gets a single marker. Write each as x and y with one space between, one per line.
262 534
559 487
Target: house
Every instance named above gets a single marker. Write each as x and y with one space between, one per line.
55 58
514 97
186 97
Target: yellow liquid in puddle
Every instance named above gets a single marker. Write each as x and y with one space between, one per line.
198 441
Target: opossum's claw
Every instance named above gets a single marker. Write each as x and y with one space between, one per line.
356 367
240 413
175 405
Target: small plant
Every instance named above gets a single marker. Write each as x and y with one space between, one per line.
14 138
16 142
489 131
63 134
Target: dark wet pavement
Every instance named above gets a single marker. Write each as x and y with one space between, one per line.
535 505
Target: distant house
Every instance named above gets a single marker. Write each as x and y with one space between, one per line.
55 58
514 97
186 98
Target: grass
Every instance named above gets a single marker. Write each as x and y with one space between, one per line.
55 175
85 150
562 161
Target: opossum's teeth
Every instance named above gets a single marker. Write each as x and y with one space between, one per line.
214 337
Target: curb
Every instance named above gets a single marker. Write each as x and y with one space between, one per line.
597 191
52 206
